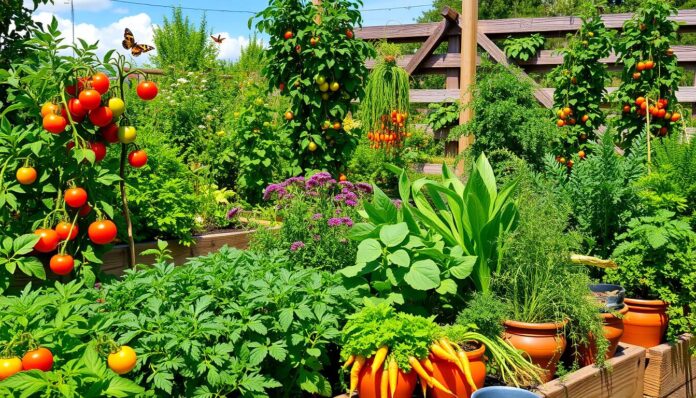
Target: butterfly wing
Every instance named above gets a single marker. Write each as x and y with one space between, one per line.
140 48
128 39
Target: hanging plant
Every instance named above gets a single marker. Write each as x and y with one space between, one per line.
384 109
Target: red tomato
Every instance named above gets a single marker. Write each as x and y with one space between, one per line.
99 150
110 133
73 88
69 146
40 358
48 240
85 210
9 367
102 232
137 158
90 99
63 229
54 123
100 82
75 197
62 264
47 108
147 90
76 108
349 33
288 35
101 116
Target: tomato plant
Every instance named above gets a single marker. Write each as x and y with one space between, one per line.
580 89
651 75
321 79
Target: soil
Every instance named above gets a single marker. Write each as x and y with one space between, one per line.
610 293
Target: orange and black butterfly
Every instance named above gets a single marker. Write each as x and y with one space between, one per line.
130 44
217 39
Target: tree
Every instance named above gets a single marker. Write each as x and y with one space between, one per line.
179 43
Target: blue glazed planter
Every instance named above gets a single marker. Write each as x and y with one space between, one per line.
503 392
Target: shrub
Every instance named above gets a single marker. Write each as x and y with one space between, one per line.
317 214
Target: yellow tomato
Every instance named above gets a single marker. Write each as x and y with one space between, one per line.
335 86
123 360
324 87
312 146
117 106
126 134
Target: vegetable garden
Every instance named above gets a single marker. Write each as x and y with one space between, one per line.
559 246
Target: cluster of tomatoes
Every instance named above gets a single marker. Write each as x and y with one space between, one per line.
656 109
391 133
121 361
642 66
85 101
566 117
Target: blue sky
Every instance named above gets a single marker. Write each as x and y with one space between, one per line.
104 20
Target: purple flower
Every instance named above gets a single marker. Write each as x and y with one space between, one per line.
338 211
233 212
295 246
317 216
347 221
397 203
351 203
319 180
347 185
274 188
299 181
340 197
334 222
364 187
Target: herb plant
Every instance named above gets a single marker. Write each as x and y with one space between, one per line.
523 48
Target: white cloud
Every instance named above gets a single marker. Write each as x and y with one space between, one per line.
62 6
120 10
231 47
110 36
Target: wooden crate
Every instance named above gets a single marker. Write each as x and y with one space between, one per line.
669 370
623 378
116 260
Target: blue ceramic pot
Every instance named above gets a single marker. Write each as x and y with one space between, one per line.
503 392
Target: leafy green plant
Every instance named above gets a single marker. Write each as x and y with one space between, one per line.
651 74
506 116
486 312
319 64
442 116
181 44
656 258
580 87
523 48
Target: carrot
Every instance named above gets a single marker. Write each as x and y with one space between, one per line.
427 364
447 345
419 370
436 384
424 386
355 373
384 384
467 370
440 353
378 361
393 376
349 361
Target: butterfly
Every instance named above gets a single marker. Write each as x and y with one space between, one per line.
130 44
217 39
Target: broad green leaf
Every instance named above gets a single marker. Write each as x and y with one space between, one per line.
368 250
393 235
400 258
447 286
464 266
423 275
24 244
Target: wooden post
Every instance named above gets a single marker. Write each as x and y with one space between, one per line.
317 19
469 23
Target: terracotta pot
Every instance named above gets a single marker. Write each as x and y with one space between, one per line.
451 377
645 323
368 387
543 342
613 330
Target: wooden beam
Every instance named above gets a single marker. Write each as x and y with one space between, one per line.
467 72
428 47
497 54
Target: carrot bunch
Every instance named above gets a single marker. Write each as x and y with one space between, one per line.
391 133
441 349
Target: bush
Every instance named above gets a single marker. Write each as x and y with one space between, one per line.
506 115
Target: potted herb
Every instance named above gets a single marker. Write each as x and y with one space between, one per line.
611 313
656 258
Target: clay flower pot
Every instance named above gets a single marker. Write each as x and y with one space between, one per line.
543 342
368 387
645 323
613 330
451 377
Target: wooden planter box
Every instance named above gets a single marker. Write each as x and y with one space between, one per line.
669 370
116 260
622 379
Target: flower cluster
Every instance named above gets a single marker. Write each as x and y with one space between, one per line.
345 191
295 246
336 221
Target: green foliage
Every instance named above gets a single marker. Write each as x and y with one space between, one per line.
386 91
523 48
671 183
13 256
258 143
442 116
182 45
647 37
64 319
337 57
539 283
506 115
486 312
580 85
381 325
317 214
657 260
600 190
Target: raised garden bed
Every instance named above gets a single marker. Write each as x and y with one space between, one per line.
622 379
669 370
116 260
